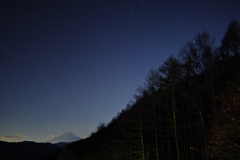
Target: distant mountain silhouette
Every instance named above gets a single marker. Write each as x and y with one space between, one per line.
65 137
26 150
61 144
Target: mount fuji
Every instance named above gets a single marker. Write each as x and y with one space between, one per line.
65 137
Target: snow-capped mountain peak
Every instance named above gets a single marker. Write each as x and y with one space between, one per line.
65 137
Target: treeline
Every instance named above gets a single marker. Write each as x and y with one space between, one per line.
188 108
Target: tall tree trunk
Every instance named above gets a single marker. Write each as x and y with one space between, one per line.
141 134
174 120
155 130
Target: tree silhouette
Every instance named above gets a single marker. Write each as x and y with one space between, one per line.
230 44
171 76
152 81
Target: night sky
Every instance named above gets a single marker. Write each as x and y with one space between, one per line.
67 65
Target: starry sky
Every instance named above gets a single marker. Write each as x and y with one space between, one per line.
67 65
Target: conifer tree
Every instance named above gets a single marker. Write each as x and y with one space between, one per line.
230 44
171 76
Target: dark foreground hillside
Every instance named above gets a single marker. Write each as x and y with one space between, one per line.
188 109
26 150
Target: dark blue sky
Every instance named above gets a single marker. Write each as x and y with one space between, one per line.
66 65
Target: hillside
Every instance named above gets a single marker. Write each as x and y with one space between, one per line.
189 108
26 150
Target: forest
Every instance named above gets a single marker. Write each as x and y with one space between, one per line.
187 109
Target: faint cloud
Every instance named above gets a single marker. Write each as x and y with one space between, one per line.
16 136
52 136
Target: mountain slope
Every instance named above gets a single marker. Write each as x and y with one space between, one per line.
26 150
